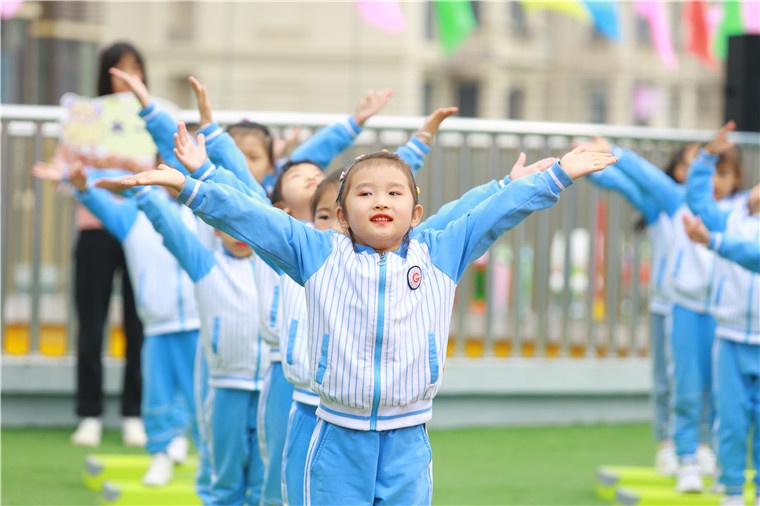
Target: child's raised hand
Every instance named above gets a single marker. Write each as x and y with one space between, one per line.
78 176
161 176
719 144
49 171
112 184
135 84
204 104
371 104
696 230
433 122
191 156
579 162
281 144
519 169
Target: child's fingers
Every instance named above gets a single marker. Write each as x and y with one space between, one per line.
201 141
196 85
520 159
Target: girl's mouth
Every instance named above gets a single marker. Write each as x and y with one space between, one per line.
381 218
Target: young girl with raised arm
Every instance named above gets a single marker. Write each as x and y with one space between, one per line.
735 304
691 326
380 301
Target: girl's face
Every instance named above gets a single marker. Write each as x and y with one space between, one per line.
256 155
727 177
235 248
127 63
689 154
379 206
299 183
326 213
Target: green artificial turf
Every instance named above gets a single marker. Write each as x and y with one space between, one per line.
540 466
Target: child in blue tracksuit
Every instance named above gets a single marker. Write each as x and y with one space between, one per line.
379 305
659 225
166 306
234 351
691 327
735 304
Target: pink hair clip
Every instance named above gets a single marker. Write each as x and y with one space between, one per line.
343 175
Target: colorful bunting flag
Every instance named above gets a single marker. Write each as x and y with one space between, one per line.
9 7
698 34
455 21
606 16
574 9
730 24
654 12
383 14
751 16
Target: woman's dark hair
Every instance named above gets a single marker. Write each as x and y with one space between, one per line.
369 160
109 57
276 195
332 180
251 127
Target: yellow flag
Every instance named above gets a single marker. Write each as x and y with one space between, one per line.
574 9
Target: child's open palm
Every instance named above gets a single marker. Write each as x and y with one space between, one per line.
579 162
432 123
190 155
135 84
204 104
719 143
49 171
696 230
162 176
519 169
371 104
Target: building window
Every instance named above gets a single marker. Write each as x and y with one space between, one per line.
181 21
427 97
516 104
518 23
467 99
597 98
643 32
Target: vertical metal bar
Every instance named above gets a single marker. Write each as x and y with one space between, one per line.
633 344
71 312
591 274
494 161
567 221
34 324
518 235
612 281
464 284
542 282
4 225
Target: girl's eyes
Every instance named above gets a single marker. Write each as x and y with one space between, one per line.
323 217
364 194
395 193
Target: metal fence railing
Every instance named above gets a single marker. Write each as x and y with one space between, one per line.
569 281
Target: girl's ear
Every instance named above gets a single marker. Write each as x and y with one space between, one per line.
416 215
281 205
341 218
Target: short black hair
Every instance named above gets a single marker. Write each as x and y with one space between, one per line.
246 126
109 57
276 195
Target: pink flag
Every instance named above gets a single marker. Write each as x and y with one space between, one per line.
751 16
383 14
9 7
654 12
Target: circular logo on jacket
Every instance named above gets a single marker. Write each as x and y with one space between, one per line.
414 277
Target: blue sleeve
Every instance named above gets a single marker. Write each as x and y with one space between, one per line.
612 178
699 192
414 153
665 193
209 172
328 143
455 209
162 127
196 259
222 150
117 215
745 252
298 249
467 238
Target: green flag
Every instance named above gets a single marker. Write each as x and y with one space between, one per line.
731 24
455 20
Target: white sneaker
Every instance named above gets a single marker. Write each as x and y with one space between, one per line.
688 479
133 431
177 449
160 472
88 433
707 460
666 460
717 487
733 500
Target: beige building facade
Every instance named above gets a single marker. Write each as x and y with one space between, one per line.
317 56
